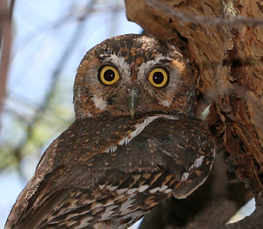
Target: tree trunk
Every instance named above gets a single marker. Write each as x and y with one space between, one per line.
226 58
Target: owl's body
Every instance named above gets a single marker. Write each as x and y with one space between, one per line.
134 142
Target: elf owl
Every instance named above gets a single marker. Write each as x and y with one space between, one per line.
134 143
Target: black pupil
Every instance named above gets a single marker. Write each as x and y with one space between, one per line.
158 77
109 75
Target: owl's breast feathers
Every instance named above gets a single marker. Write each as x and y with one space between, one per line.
114 170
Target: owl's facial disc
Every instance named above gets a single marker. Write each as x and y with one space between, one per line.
131 75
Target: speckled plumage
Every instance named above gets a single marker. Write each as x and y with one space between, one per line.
108 169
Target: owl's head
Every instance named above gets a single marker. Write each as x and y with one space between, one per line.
133 74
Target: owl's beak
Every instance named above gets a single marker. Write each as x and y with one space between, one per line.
133 95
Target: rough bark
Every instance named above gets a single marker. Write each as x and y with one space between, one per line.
228 65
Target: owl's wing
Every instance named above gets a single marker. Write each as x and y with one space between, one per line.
129 176
34 197
181 145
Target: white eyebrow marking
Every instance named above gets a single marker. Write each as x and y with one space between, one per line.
151 63
119 62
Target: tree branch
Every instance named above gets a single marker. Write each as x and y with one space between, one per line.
5 44
224 49
177 14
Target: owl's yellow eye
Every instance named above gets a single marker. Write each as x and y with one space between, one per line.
109 75
158 77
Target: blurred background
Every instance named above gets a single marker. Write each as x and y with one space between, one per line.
49 40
